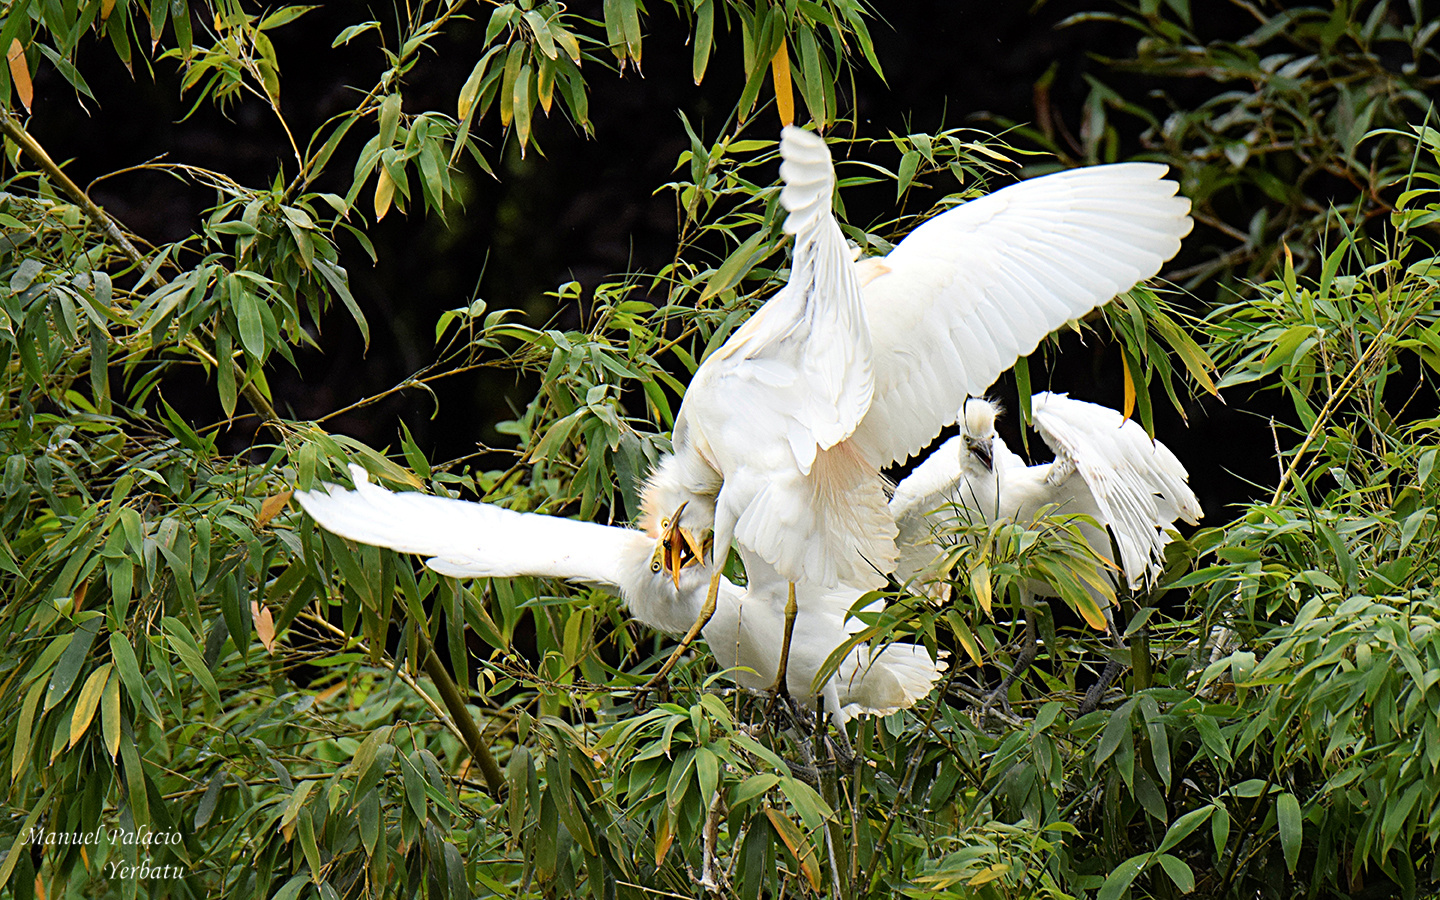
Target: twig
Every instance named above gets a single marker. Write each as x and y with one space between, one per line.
455 703
399 672
112 230
17 133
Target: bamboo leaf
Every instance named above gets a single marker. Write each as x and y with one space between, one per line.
799 846
110 715
272 508
384 193
1291 823
20 73
704 38
784 92
88 702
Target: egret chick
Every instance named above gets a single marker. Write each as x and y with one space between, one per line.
1106 468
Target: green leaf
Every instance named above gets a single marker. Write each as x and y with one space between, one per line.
1287 815
389 119
206 809
339 281
704 37
1115 729
71 660
292 888
909 164
1119 879
736 266
188 650
1178 871
1183 826
296 801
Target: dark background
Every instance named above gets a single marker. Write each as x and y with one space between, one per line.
583 208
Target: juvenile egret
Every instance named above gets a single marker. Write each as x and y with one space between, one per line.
1106 467
473 540
852 366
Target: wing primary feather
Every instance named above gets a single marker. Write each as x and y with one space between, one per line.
467 539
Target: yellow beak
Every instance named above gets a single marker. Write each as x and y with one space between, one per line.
678 548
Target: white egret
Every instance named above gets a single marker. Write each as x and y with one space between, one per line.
473 540
1106 468
852 366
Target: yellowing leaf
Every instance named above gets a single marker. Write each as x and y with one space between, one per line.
264 625
110 715
784 96
988 874
384 193
800 846
106 8
664 837
329 692
271 508
86 705
20 73
980 584
1092 613
1129 387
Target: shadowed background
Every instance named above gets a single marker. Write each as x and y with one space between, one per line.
578 208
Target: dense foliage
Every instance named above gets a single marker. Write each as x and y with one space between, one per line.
283 713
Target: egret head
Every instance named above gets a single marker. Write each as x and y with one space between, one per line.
677 519
977 424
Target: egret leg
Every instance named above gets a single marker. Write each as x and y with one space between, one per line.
1108 674
1028 652
781 685
844 753
701 621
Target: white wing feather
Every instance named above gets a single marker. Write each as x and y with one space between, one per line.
479 540
772 408
1137 484
972 290
806 352
472 540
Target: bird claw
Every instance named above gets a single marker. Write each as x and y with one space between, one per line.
659 685
1002 694
844 757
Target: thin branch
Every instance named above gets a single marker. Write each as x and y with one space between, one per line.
112 230
399 673
17 133
455 703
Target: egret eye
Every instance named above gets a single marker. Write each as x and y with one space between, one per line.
664 523
655 565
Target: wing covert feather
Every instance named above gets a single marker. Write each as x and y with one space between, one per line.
970 291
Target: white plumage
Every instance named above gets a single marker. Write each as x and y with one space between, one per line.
472 540
852 366
1106 467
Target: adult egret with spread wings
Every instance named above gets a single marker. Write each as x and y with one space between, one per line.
472 540
851 366
1106 468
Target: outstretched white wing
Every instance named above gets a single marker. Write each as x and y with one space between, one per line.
771 408
972 290
1138 485
805 354
471 540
